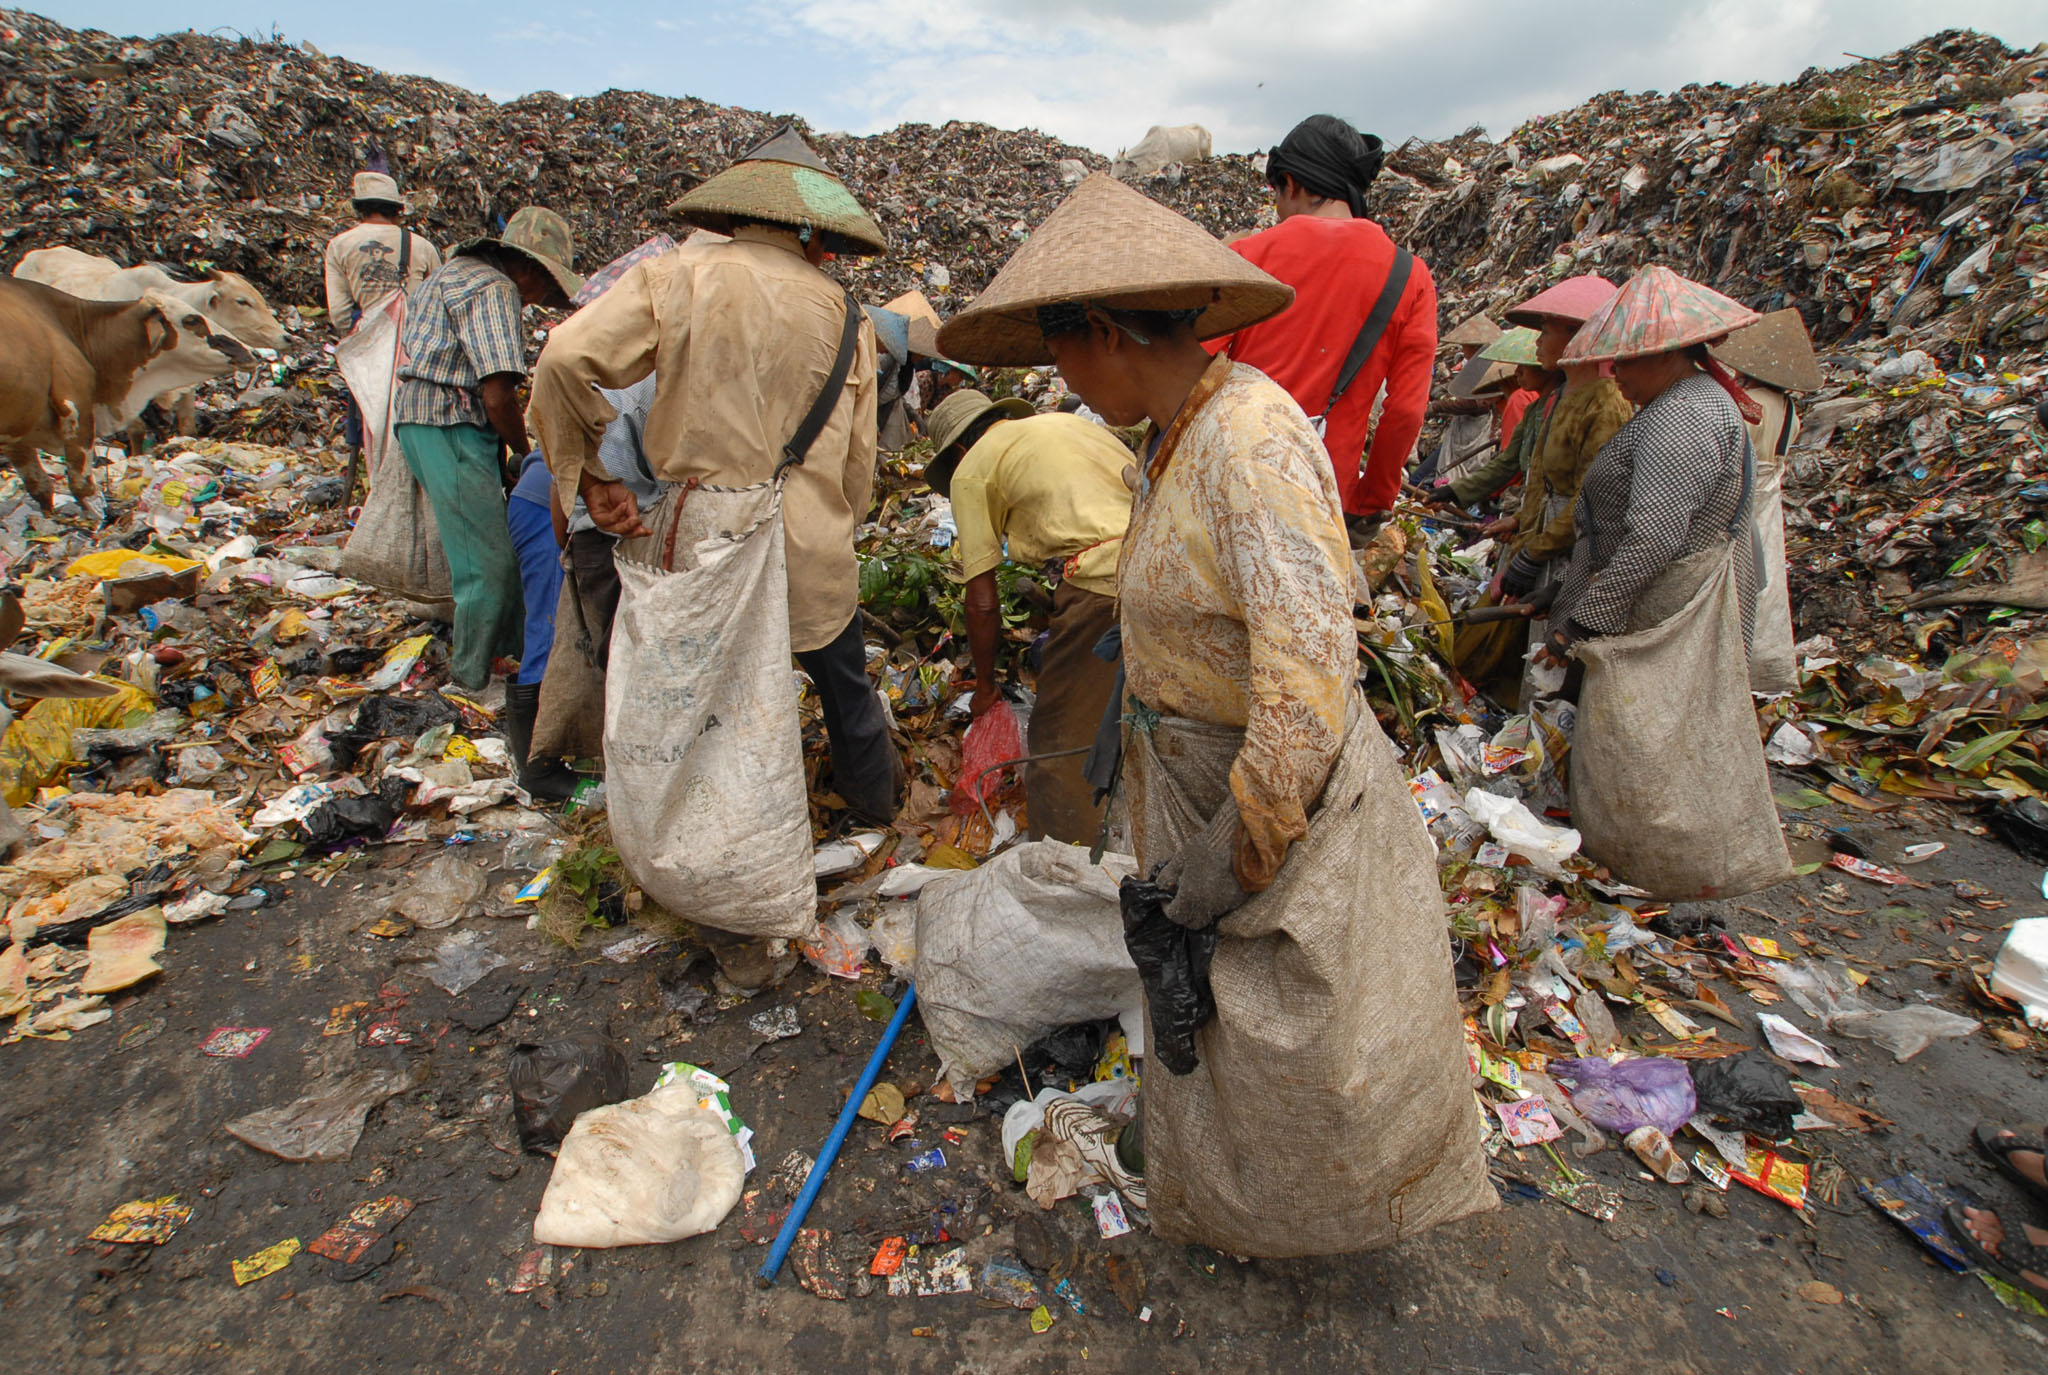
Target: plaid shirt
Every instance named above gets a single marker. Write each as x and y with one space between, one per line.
1667 486
461 325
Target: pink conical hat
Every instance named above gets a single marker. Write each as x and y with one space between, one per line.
1574 298
1658 311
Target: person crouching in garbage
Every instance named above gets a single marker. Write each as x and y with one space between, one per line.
1326 1108
1050 489
1668 783
765 373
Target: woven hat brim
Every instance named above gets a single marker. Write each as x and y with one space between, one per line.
1575 298
1517 345
1776 351
1477 330
568 281
1010 408
1657 311
1111 246
771 192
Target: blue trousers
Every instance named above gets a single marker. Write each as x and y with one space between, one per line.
540 581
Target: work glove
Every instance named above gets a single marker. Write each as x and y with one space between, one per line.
1519 579
1203 875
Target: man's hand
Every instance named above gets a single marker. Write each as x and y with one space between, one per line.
1493 592
1499 528
614 509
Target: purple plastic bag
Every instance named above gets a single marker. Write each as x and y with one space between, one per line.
1619 1098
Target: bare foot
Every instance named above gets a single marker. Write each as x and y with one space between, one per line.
1990 1234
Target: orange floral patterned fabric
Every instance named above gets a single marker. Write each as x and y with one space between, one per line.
1236 592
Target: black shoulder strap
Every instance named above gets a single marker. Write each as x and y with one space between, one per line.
404 254
794 452
1375 325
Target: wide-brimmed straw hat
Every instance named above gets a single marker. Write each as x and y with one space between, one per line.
376 188
784 182
1479 377
1515 346
1477 330
1776 351
1107 245
542 235
956 415
1574 298
1658 311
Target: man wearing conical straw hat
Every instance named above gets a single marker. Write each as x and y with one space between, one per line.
1668 783
743 336
1264 801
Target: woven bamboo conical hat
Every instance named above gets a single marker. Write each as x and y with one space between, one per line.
1776 351
784 182
1517 345
1574 298
1108 245
1658 311
1477 330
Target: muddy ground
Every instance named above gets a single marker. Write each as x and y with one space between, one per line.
132 1109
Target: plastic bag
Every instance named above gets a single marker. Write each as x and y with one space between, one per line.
1173 963
1545 846
1751 1091
448 890
1627 1094
38 746
656 1169
838 947
323 1126
552 1083
993 739
460 961
1827 994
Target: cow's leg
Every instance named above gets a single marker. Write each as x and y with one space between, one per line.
78 468
187 410
21 455
138 435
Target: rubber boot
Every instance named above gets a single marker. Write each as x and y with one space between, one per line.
544 780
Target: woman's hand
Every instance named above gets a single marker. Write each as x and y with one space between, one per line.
1556 652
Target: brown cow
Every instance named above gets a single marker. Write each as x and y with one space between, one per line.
73 367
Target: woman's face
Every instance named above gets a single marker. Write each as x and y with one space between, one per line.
1096 367
1553 338
1643 380
1528 378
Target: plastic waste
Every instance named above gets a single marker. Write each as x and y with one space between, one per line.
654 1169
1654 1149
448 890
1511 822
1828 994
461 960
993 739
534 851
197 765
1749 1090
1173 964
1793 1044
2022 968
552 1083
838 947
1623 1095
325 1125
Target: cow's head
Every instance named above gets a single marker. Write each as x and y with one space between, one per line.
241 310
181 348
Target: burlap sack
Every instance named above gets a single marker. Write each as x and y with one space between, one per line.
1668 783
1772 664
569 723
395 545
1331 1110
704 777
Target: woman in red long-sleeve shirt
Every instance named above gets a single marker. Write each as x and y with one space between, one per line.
1337 261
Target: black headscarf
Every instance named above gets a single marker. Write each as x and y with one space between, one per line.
1329 158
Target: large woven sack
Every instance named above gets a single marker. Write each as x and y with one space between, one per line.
1030 942
703 761
569 723
395 545
1772 665
1668 783
1331 1110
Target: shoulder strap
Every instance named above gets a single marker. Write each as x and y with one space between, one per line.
1375 325
404 254
794 452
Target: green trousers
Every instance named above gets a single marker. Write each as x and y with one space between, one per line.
457 465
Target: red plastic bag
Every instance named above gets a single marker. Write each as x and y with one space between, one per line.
992 739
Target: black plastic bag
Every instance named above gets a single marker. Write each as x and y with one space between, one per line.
339 818
553 1083
1173 964
2023 825
1749 1090
382 716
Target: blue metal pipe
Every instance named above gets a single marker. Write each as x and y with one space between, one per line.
829 1152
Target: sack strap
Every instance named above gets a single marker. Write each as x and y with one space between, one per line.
794 452
1375 325
404 255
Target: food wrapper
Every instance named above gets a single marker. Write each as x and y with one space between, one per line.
1773 1176
146 1221
714 1095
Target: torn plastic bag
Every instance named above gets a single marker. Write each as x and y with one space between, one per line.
993 739
1749 1090
655 1169
1628 1094
1173 963
552 1083
448 890
383 716
460 961
1022 946
326 1125
1828 994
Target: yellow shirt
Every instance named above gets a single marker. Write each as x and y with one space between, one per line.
1051 485
741 336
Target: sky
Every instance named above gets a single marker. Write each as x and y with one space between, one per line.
1098 72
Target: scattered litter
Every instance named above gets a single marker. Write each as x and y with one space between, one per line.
146 1221
233 1042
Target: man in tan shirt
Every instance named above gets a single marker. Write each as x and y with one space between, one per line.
364 264
742 336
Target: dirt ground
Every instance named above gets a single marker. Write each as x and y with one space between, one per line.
132 1109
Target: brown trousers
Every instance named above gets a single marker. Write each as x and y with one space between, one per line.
1073 688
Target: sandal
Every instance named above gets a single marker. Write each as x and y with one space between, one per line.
1999 1143
2015 1253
